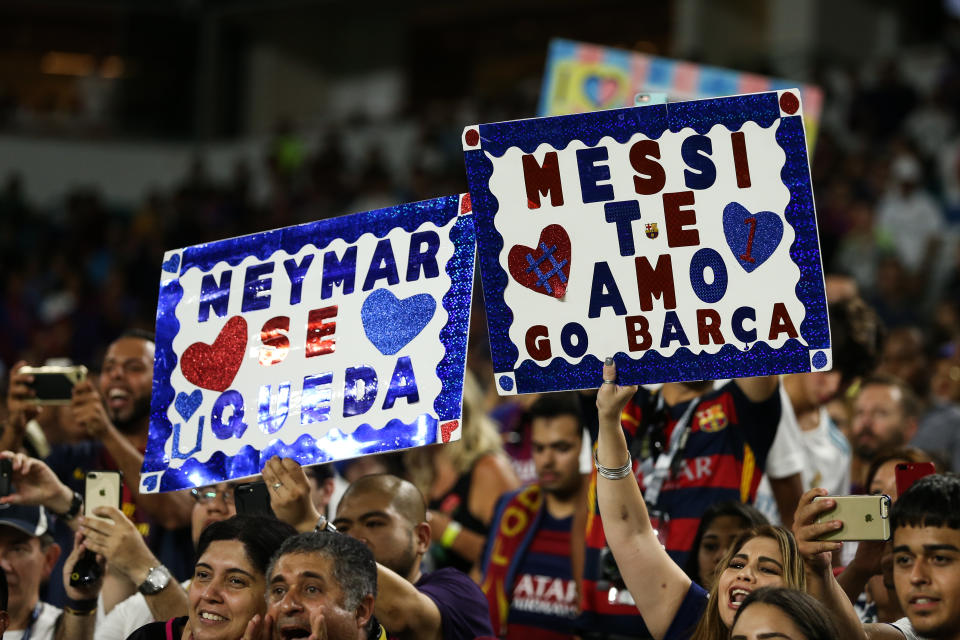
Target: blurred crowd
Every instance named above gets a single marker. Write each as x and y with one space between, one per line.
80 279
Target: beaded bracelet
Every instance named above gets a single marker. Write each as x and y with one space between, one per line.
613 473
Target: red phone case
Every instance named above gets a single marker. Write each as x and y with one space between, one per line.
909 472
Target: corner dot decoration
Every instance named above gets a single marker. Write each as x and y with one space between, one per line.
789 103
506 383
819 360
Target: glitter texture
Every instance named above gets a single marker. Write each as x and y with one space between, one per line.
545 269
227 417
652 121
390 324
214 366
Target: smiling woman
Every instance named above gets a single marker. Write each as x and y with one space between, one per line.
226 594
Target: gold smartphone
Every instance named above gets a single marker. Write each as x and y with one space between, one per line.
863 517
102 489
54 384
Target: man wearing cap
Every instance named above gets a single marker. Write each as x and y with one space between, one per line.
27 556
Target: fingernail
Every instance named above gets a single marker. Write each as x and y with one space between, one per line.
608 361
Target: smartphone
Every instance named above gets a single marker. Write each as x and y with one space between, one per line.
909 472
102 489
252 499
6 473
863 517
54 384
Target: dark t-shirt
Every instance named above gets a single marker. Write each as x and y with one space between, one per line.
462 605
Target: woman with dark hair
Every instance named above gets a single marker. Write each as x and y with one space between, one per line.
787 614
719 526
229 582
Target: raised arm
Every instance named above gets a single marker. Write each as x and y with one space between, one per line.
758 389
657 584
821 582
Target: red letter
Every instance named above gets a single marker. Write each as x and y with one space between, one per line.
655 282
653 175
740 164
317 328
537 348
542 180
638 337
273 335
677 218
708 326
780 322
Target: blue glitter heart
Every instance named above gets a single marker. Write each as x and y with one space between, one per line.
150 483
390 324
751 237
172 264
187 405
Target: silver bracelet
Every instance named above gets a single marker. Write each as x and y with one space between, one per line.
613 473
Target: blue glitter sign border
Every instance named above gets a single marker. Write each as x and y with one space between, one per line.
651 121
365 439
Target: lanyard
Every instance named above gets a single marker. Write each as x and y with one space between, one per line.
656 474
33 618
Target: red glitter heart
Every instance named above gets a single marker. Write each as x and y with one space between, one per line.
214 366
447 428
550 271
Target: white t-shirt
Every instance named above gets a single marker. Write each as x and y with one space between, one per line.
126 617
828 457
43 628
786 458
903 626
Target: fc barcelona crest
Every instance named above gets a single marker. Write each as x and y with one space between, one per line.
652 231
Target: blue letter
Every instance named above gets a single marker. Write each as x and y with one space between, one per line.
402 385
672 330
744 335
317 392
420 256
254 284
382 265
269 421
623 213
214 295
703 258
338 272
235 426
359 390
591 173
696 152
604 292
296 273
567 334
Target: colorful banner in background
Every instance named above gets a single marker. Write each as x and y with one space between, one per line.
679 238
317 342
584 77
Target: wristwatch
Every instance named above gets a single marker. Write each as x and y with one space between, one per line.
76 503
157 580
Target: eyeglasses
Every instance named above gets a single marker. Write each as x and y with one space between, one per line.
203 496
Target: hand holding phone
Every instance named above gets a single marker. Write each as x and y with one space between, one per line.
252 499
863 517
53 385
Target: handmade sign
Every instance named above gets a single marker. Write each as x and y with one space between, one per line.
316 342
582 77
680 238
